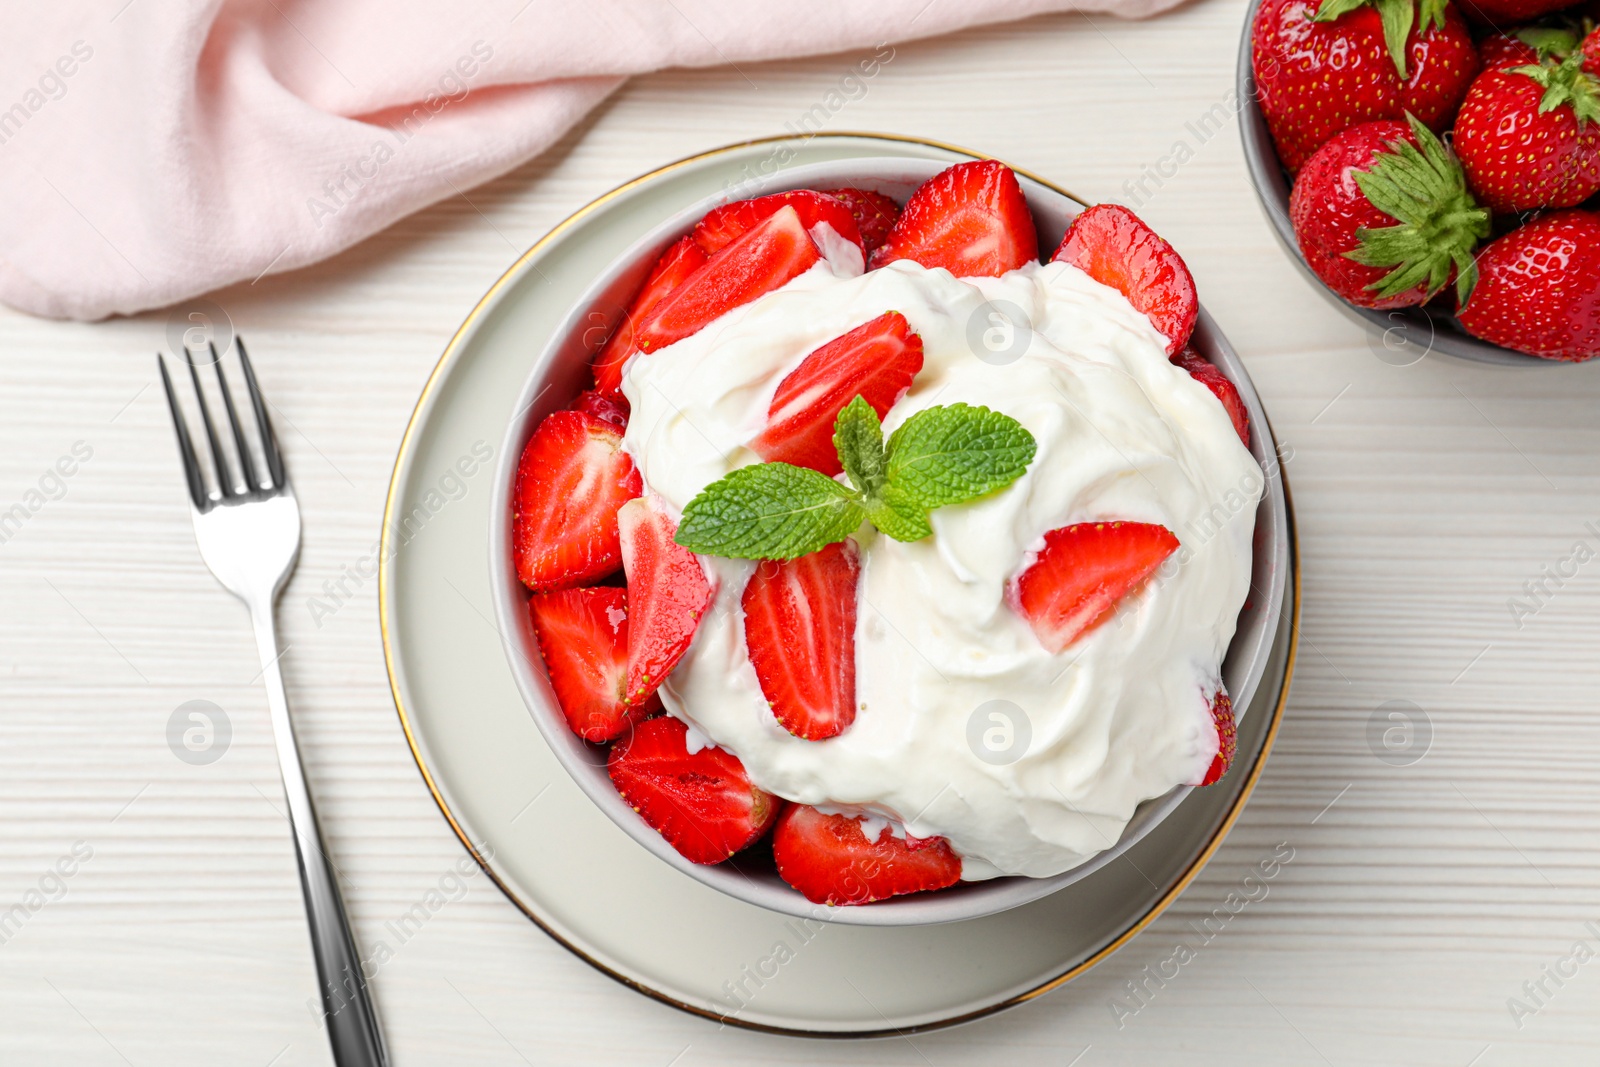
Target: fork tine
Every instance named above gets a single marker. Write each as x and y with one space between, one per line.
224 479
191 467
246 468
269 440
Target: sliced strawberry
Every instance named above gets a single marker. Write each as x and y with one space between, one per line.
1082 573
704 804
874 214
723 224
572 478
1224 390
1110 244
1227 737
800 630
583 634
829 859
768 255
607 407
971 219
667 595
671 270
876 361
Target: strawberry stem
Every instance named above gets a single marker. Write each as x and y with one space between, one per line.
1439 222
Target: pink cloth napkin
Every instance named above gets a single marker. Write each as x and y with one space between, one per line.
156 149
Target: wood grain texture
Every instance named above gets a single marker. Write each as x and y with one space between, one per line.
1414 907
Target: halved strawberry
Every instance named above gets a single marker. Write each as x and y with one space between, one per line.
671 270
1083 571
876 361
583 634
800 631
607 407
704 804
1110 244
768 255
572 478
1227 737
1224 390
874 214
722 224
667 594
971 219
829 859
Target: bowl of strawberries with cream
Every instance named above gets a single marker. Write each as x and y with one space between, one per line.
887 563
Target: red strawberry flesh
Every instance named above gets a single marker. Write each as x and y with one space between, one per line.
571 479
800 630
667 595
724 224
767 256
1082 574
1114 247
971 219
703 803
1539 288
674 267
874 213
875 361
1227 738
583 635
830 861
607 407
1224 390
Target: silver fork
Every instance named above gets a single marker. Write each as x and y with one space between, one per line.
249 535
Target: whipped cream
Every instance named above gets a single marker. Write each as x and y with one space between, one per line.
1123 714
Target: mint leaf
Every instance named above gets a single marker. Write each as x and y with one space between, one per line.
898 516
858 437
952 454
769 511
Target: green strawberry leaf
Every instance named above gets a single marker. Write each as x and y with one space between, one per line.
858 437
898 516
1548 40
1438 222
952 454
1397 17
769 511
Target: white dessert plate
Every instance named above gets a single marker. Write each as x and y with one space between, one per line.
568 866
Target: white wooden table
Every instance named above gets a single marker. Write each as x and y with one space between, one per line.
1420 897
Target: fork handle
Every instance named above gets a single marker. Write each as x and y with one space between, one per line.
347 1008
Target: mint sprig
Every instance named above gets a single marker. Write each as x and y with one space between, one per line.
938 457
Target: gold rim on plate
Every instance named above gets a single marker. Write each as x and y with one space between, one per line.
453 349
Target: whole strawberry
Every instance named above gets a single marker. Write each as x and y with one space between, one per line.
1322 66
1591 53
1538 288
1529 137
1383 216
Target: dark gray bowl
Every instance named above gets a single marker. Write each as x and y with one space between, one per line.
1405 334
558 372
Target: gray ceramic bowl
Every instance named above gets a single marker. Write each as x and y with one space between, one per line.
560 371
1404 335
